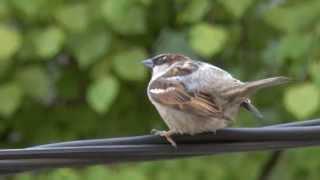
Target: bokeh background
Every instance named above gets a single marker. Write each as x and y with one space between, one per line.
70 69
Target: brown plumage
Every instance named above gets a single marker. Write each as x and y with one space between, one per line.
194 97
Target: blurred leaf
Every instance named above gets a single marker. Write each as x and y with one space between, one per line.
314 69
27 50
236 7
271 55
74 17
64 173
4 9
4 66
49 42
101 68
207 40
35 82
33 11
302 100
87 120
174 42
69 84
102 93
11 97
131 58
131 174
98 173
24 176
195 11
27 8
10 42
125 17
160 15
301 170
296 17
294 46
90 46
145 2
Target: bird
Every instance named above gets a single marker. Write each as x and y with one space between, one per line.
193 96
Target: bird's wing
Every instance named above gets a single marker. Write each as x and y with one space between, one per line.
170 90
216 79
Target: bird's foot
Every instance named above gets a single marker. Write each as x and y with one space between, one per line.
156 131
165 134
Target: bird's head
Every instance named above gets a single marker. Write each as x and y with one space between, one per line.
161 62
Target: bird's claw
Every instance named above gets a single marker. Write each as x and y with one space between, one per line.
156 132
169 139
165 134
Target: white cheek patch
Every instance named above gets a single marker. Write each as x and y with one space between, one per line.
160 91
159 70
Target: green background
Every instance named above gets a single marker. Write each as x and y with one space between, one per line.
70 69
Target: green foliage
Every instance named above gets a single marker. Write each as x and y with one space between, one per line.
71 70
34 82
125 17
194 11
302 100
128 64
4 10
172 41
10 41
207 40
102 93
48 42
314 69
97 172
296 17
11 96
295 46
74 17
236 7
89 46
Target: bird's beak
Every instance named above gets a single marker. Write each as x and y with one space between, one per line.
148 63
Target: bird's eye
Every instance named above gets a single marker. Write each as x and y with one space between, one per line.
161 60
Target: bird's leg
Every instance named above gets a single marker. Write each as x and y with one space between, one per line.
166 134
155 131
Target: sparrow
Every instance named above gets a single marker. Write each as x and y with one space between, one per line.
194 97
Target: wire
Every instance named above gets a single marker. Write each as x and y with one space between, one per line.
304 130
152 147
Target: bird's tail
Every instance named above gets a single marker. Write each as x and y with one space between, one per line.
255 85
251 87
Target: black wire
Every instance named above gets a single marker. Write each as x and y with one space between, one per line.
124 151
314 122
291 131
127 153
151 147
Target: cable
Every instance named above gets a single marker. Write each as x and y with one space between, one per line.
49 158
124 151
151 147
289 131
